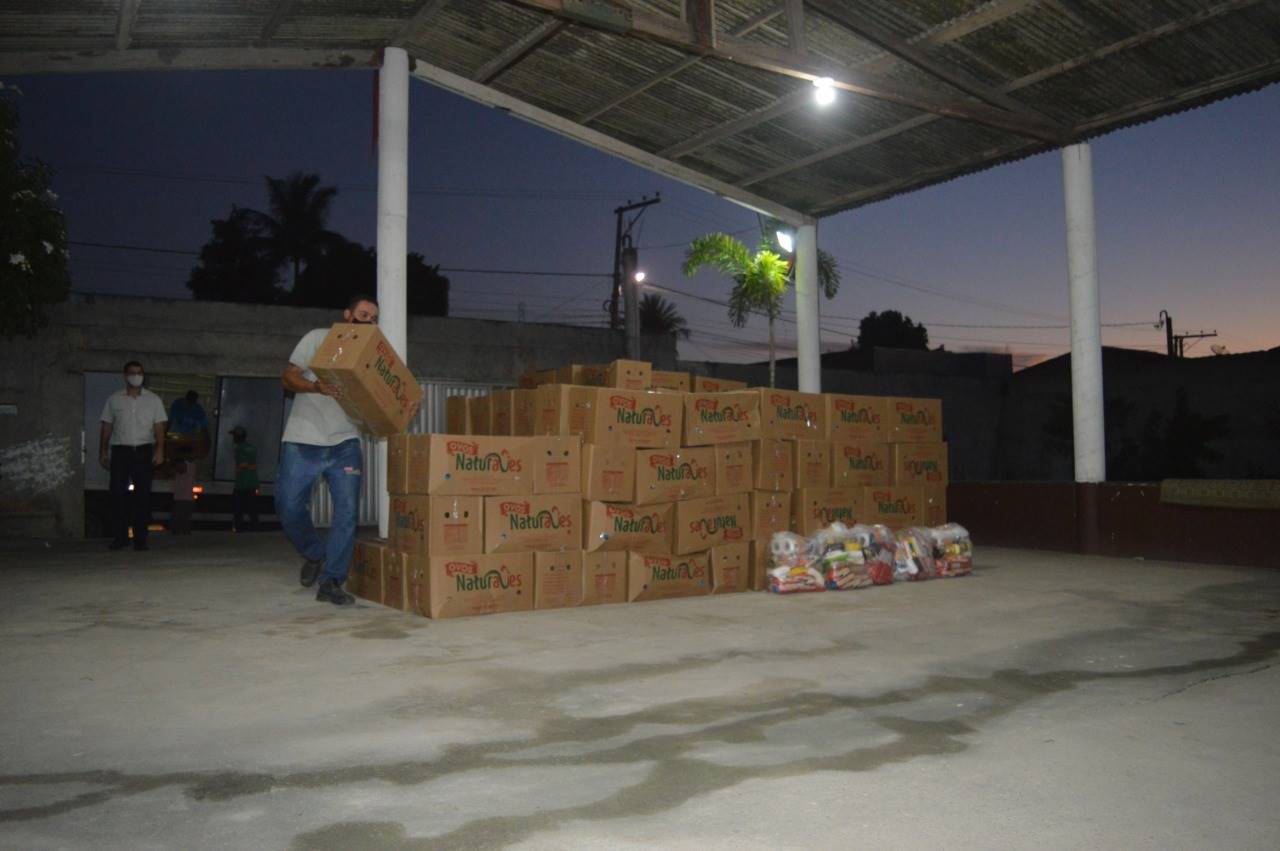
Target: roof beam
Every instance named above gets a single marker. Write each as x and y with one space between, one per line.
125 20
518 50
282 10
184 59
795 26
752 23
780 107
418 21
701 15
670 31
882 37
601 141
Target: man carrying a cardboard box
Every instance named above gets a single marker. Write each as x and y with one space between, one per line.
321 440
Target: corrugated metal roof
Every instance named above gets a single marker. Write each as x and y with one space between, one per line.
950 86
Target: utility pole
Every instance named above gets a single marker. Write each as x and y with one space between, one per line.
1176 343
1165 321
631 285
615 319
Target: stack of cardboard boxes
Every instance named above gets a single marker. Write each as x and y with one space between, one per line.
621 483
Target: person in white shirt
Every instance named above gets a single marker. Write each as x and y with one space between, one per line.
321 440
131 445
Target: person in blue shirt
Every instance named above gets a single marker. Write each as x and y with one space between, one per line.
187 417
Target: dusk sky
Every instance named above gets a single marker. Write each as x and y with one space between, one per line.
1187 212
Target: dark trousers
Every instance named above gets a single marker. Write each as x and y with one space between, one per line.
131 464
242 502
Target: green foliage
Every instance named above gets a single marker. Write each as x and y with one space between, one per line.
237 264
891 330
33 234
828 269
759 279
659 316
295 228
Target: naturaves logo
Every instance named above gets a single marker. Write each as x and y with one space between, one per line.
887 504
629 413
467 458
926 468
851 414
406 518
467 576
523 518
791 410
384 364
859 460
909 414
711 411
630 521
669 570
670 469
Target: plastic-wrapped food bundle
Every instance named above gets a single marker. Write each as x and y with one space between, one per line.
793 568
913 560
843 564
952 550
878 549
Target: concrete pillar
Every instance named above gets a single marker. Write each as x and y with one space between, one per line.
808 339
393 218
1086 317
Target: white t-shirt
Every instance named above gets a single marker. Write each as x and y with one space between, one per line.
315 419
133 418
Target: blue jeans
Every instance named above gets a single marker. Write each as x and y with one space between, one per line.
300 465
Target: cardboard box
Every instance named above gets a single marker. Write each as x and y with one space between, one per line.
859 418
604 577
418 585
557 580
608 473
773 464
378 390
465 465
612 526
548 522
734 468
551 409
792 414
459 586
935 505
720 418
761 561
913 420
895 506
711 521
395 581
457 415
918 464
857 463
730 568
770 512
637 418
812 462
667 475
816 508
417 450
629 375
582 374
398 463
478 412
424 525
703 384
524 413
557 464
502 412
366 569
659 576
671 380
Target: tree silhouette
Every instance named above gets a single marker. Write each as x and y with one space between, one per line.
659 316
342 269
33 234
887 329
294 229
236 264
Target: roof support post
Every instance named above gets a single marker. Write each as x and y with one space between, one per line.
1088 427
807 340
393 219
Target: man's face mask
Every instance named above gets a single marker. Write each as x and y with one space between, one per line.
134 379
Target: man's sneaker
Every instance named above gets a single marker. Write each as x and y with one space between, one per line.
333 593
310 572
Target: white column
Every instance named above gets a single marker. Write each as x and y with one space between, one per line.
808 341
1086 317
393 217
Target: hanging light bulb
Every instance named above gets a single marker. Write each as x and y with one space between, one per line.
825 91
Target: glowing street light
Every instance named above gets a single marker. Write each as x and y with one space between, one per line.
786 241
639 276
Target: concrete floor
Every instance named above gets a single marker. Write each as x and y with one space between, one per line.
196 697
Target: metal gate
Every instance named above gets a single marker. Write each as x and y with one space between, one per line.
431 418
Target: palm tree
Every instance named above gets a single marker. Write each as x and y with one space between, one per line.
659 316
295 228
759 280
828 270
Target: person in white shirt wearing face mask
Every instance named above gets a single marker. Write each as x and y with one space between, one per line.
131 445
